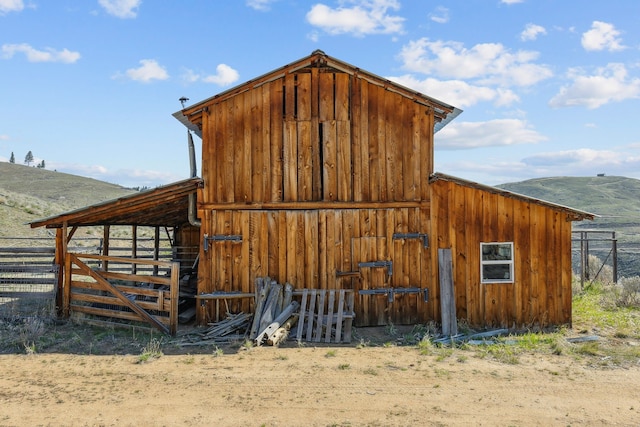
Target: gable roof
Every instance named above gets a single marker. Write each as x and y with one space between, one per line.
574 214
162 206
444 113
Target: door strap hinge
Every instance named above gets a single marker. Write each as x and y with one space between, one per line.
378 264
423 236
236 238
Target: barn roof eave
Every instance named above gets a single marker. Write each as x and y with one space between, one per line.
162 206
445 111
573 214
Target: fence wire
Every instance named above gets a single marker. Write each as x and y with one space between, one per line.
28 291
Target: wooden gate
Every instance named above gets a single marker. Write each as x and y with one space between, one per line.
146 298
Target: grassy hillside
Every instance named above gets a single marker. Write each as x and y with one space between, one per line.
615 199
29 193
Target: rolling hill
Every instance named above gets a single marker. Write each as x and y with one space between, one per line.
29 193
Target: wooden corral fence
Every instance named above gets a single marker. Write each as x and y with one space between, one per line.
151 299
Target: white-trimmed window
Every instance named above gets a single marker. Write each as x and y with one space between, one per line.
496 262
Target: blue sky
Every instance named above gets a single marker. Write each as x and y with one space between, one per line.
548 87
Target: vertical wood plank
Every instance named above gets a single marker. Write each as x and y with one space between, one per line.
447 292
276 138
376 104
383 121
344 167
356 137
326 94
290 161
305 161
302 315
329 323
330 179
256 192
266 142
310 247
365 142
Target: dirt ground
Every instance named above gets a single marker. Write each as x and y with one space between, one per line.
337 385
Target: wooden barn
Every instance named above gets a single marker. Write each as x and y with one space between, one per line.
320 175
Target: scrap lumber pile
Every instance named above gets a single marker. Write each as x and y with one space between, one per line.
312 315
275 312
321 315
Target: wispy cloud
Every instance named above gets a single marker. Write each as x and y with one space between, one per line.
34 55
440 15
124 177
511 1
148 71
125 9
261 5
224 76
7 6
531 32
602 36
608 84
493 133
361 18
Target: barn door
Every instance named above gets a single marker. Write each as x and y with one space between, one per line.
370 258
392 285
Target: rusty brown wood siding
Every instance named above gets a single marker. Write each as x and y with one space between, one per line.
463 217
322 249
319 136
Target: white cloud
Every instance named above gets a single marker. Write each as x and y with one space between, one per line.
262 5
362 18
531 32
489 63
602 36
4 137
148 71
121 8
440 15
457 92
225 75
511 1
34 55
609 84
493 133
11 6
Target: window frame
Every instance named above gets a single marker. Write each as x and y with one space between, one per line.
509 262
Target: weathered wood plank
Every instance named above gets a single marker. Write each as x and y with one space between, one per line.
276 138
330 160
447 293
344 166
329 325
305 161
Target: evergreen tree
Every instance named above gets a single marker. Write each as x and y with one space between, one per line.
28 158
42 164
12 159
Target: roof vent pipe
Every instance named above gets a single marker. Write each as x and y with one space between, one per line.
193 220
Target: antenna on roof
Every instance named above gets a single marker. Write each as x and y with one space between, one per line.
183 100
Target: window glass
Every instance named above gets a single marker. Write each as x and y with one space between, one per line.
496 262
